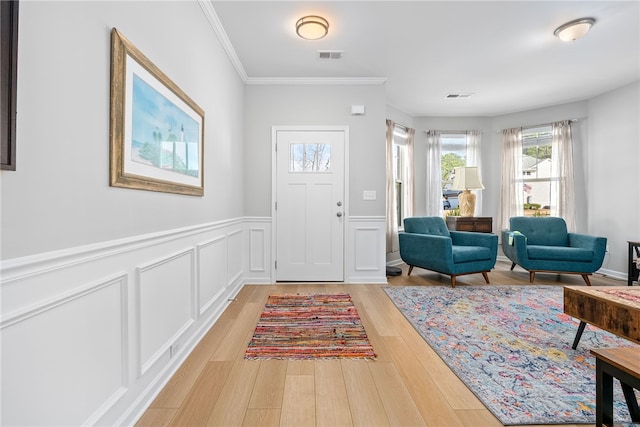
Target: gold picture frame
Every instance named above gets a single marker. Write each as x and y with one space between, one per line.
156 130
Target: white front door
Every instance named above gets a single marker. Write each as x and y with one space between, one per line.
310 205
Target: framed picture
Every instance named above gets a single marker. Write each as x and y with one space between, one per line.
156 130
8 82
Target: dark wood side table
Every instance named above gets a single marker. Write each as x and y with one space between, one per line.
480 224
623 364
633 270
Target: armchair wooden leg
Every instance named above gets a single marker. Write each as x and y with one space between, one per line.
486 277
586 279
513 264
532 276
453 281
410 270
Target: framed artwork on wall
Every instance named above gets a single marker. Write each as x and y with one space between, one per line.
156 130
8 82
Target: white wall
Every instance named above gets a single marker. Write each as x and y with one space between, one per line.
613 178
106 290
400 117
59 195
326 105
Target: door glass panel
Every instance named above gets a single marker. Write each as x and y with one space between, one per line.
309 157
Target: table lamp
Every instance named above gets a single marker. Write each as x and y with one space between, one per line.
466 179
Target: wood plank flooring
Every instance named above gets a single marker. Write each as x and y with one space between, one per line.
407 385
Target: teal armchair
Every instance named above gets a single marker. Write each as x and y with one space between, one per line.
542 244
427 243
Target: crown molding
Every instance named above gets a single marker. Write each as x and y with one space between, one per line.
316 80
215 23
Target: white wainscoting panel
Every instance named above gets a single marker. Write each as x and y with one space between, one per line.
365 257
91 334
258 250
235 256
165 301
256 256
212 271
64 362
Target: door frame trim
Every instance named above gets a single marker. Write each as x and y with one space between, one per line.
274 183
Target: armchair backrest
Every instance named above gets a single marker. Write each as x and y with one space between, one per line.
433 225
544 231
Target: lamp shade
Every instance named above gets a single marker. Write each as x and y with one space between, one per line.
312 27
466 178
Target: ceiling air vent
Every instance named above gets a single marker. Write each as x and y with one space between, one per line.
458 95
330 54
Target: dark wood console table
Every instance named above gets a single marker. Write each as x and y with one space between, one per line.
470 223
633 270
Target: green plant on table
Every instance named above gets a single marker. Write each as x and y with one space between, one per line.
454 212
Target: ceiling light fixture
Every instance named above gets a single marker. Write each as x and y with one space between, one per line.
312 27
575 29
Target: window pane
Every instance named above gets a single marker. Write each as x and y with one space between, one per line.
536 170
454 154
310 157
400 162
537 196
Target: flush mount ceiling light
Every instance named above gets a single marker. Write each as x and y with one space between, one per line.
312 27
575 29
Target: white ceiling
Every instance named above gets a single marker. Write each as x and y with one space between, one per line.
504 52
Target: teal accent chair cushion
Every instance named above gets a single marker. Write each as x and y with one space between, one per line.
426 242
543 244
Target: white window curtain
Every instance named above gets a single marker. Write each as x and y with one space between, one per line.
511 194
434 174
409 177
562 188
473 159
392 220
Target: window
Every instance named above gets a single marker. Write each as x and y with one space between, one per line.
537 170
400 162
454 154
537 173
309 157
8 82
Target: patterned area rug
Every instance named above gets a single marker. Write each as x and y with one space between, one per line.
309 327
511 345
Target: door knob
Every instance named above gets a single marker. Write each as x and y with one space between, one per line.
339 214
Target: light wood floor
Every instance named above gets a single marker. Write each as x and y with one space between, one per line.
407 385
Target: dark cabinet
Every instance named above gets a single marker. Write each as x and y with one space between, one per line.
470 223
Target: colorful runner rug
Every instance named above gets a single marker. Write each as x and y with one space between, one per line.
309 326
511 345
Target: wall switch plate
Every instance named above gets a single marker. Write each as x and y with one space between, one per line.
369 195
